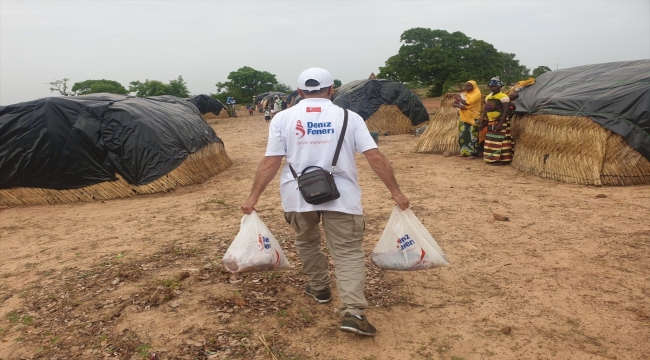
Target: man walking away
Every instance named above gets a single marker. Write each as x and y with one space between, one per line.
306 135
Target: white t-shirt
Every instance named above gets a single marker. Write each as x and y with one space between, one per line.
307 134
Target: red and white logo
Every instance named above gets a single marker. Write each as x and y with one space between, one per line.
300 131
313 109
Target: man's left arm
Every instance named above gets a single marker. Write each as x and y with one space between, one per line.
381 166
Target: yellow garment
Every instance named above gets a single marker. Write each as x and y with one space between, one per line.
521 84
473 108
495 105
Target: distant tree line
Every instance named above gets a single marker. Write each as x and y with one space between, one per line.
429 58
176 87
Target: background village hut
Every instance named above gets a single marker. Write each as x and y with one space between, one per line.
103 146
267 98
442 133
586 125
209 107
388 107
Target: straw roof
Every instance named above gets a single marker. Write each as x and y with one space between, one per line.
575 149
389 119
198 167
442 134
210 116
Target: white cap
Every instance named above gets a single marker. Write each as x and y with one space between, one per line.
321 75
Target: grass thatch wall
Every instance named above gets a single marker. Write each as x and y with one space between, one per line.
389 119
223 114
442 133
197 168
575 149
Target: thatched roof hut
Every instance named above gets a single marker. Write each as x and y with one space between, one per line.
267 98
586 125
386 106
442 133
103 146
207 104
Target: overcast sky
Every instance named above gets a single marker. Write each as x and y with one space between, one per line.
41 41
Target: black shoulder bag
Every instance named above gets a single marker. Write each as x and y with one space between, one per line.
317 186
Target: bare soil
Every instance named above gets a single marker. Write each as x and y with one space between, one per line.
566 277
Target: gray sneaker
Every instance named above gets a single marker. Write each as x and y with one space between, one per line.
321 296
357 324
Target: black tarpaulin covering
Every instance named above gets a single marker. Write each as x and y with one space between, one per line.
615 95
293 95
268 96
72 142
364 97
206 104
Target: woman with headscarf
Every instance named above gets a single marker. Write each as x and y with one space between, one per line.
469 111
498 140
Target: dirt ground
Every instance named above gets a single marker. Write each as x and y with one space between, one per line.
567 277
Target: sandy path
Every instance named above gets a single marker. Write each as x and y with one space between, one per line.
567 277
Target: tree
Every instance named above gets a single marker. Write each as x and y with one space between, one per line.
98 86
511 70
441 60
247 82
148 88
176 87
432 57
337 83
283 88
540 70
61 86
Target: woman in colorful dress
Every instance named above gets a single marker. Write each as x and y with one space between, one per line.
498 140
469 105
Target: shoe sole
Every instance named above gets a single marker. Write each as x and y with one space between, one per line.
352 330
319 301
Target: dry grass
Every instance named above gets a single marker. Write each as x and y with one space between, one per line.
197 168
575 149
622 164
223 114
389 119
442 133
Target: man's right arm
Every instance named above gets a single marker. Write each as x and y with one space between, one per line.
265 173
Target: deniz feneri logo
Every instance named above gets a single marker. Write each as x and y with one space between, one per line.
300 131
314 128
406 244
265 243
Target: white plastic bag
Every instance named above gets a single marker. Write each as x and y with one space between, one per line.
406 245
254 248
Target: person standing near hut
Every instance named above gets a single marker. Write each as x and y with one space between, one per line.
277 105
230 104
498 140
267 115
292 137
469 106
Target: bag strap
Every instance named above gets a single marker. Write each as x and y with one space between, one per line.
338 146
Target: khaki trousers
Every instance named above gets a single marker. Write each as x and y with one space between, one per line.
343 235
